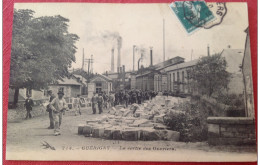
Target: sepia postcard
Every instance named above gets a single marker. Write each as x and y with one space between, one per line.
131 82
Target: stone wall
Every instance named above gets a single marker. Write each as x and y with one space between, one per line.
231 131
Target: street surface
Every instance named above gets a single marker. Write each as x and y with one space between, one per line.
25 138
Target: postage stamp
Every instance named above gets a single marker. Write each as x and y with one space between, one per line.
219 10
192 14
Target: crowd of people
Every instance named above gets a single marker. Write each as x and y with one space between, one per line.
57 105
102 100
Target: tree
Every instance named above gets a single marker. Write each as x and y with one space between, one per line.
42 50
210 74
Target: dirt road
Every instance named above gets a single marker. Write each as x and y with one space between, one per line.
25 138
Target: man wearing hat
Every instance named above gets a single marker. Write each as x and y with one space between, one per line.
94 103
52 96
28 105
100 102
58 105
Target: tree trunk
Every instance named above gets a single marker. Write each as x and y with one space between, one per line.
16 94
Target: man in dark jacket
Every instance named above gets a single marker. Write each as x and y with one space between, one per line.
28 105
100 102
52 96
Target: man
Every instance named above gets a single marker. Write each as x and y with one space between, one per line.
94 102
111 100
58 105
100 102
77 105
28 105
50 110
126 98
105 98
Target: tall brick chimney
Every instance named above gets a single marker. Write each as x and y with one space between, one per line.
112 60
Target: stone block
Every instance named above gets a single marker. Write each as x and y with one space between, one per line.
128 113
117 107
159 118
145 116
91 121
141 121
213 130
223 128
227 134
116 134
147 125
80 129
133 125
149 135
98 132
87 130
231 120
130 135
108 133
160 126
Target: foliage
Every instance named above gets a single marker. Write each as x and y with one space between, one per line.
42 50
210 74
235 103
189 120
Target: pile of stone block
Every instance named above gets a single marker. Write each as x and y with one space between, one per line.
137 122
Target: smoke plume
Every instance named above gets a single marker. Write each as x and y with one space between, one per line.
113 38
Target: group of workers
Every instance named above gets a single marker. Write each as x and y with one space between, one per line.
57 105
122 97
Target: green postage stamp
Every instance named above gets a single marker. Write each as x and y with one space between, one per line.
192 14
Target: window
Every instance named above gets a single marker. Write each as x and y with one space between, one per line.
182 76
45 92
98 87
28 92
178 76
170 86
173 76
61 89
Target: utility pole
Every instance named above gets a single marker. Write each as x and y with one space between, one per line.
89 62
163 40
134 46
83 61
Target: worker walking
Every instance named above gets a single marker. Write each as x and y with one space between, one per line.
52 96
100 103
94 102
77 105
28 105
58 105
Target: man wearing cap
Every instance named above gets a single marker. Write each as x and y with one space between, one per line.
52 96
58 105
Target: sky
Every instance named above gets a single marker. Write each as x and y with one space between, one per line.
98 25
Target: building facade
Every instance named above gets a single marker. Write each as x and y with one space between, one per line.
154 77
248 79
69 86
99 83
178 77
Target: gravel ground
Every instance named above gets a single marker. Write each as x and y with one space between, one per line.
25 138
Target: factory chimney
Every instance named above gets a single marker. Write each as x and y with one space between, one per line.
208 51
112 60
151 56
119 42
